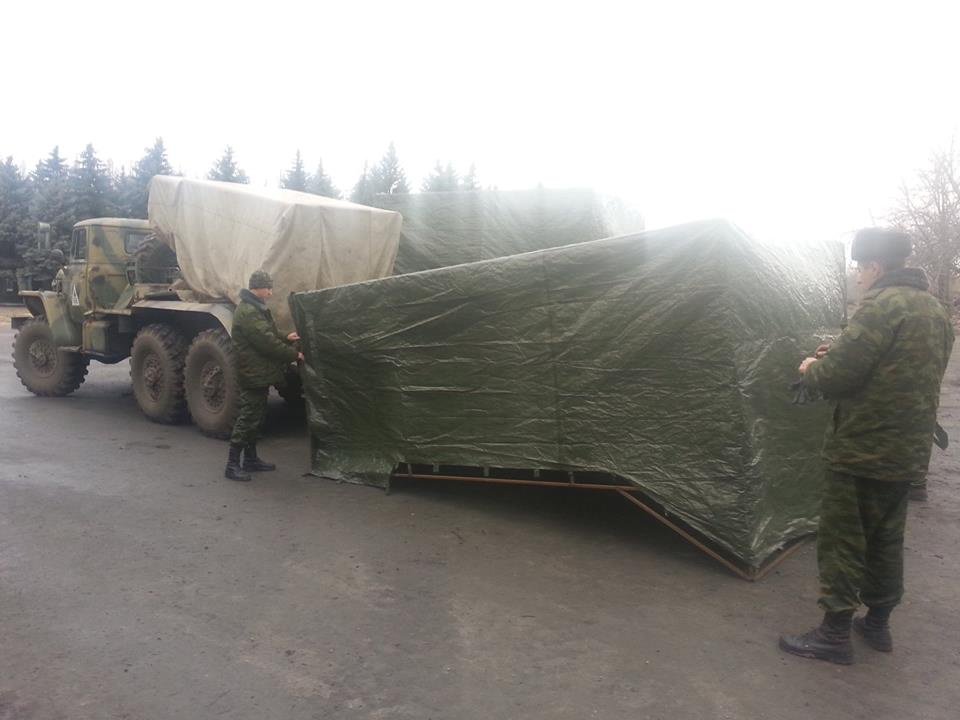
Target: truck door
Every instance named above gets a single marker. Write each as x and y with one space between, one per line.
75 278
110 248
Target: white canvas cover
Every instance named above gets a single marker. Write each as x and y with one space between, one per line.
222 232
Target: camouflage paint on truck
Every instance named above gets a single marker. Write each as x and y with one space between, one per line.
101 252
95 280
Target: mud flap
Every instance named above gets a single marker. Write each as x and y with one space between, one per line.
66 333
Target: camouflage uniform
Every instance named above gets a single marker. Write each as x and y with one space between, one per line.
884 372
261 355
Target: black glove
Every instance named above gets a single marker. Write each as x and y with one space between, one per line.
940 438
803 394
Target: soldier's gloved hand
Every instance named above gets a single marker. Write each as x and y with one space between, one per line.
821 350
806 364
802 394
293 337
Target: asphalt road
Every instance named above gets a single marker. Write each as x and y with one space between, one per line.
135 582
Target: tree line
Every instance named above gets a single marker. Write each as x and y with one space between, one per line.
62 193
928 209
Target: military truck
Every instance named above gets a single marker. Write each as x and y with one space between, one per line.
122 292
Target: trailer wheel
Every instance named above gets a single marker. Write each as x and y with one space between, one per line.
44 369
210 379
156 368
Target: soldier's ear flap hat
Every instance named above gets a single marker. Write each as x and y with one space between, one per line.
260 279
880 244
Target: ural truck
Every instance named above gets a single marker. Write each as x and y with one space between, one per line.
162 291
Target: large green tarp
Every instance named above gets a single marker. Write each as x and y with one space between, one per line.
449 228
663 358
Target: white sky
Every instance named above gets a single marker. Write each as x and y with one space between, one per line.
791 119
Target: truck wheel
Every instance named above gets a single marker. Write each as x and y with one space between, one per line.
291 390
156 368
210 379
43 368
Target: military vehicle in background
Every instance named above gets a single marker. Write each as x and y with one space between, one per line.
37 268
162 291
13 276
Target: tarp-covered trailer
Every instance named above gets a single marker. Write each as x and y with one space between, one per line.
659 362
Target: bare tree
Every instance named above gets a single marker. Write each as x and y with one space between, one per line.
929 210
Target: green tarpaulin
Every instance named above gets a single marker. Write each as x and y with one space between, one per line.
663 358
449 228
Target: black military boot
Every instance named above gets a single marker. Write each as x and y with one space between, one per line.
874 628
251 463
233 471
830 641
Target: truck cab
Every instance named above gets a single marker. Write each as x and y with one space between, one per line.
113 299
91 305
94 289
101 251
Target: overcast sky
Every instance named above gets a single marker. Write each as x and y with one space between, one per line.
791 119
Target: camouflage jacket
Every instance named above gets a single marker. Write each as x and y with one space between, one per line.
884 372
261 351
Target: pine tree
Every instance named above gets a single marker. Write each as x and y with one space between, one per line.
433 181
387 176
451 179
134 191
469 181
50 201
442 179
296 177
91 187
363 190
321 184
154 162
226 169
53 168
124 191
14 214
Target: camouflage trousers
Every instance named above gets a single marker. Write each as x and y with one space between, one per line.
253 412
860 542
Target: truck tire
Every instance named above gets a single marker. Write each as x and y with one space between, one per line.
42 368
156 369
210 380
154 262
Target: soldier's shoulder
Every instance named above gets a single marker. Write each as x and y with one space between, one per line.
244 311
902 297
897 304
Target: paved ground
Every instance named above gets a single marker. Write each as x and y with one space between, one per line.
136 583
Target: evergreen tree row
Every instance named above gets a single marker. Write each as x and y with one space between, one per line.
61 194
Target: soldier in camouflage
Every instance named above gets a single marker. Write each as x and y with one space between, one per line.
884 373
261 354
